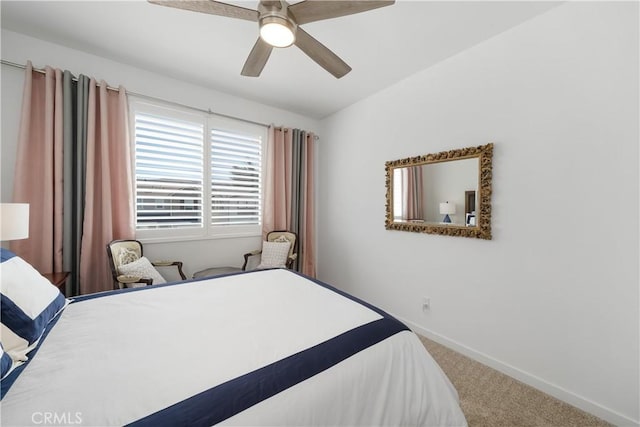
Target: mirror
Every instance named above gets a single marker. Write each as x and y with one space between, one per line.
446 193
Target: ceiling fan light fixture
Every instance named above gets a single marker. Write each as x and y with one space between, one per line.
279 24
277 31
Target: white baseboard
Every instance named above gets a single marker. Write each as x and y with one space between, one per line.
527 378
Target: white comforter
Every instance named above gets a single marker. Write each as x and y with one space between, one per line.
117 359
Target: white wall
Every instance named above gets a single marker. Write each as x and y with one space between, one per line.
19 48
553 298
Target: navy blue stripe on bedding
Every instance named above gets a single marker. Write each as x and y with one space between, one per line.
5 362
7 382
225 400
5 255
86 297
346 295
24 326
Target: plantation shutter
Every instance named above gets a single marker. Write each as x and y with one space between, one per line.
169 172
235 178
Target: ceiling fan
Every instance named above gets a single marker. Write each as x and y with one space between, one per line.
280 26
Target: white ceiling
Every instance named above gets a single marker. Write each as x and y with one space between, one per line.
382 46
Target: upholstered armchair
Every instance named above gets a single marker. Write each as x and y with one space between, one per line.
272 253
129 266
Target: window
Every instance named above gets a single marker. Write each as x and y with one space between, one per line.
169 164
196 176
235 178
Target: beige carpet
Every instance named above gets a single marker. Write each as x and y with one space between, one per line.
490 398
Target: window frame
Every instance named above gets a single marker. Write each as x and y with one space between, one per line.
210 121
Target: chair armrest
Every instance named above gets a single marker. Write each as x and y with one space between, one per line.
291 260
250 254
177 264
127 280
162 263
256 252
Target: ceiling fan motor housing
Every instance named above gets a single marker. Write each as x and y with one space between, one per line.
276 26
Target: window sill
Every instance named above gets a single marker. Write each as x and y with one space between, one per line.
175 239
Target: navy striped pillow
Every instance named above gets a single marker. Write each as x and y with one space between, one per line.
6 363
29 302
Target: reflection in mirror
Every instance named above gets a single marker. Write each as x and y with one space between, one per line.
434 192
442 193
470 208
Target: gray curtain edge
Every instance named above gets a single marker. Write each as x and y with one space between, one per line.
80 170
75 112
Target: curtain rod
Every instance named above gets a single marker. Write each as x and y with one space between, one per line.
153 98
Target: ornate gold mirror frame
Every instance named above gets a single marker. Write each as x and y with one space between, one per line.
482 228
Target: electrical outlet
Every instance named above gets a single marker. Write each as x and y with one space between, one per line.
426 303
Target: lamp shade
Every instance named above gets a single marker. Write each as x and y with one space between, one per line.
14 221
447 208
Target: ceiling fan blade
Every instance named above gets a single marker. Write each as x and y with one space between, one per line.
257 58
321 54
211 7
316 10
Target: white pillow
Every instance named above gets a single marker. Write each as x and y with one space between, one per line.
142 268
274 255
29 303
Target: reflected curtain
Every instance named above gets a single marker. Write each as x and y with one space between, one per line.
73 167
412 193
289 190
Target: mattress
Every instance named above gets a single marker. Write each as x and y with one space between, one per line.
259 348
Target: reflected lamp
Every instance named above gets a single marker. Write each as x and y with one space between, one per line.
447 209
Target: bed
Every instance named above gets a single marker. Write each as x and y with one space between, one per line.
267 347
